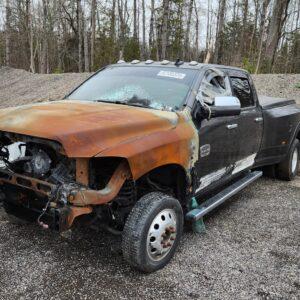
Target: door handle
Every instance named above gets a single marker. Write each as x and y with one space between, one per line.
232 126
258 120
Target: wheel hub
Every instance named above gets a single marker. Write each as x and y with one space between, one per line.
295 160
161 234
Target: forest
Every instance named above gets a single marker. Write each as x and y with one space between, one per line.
56 36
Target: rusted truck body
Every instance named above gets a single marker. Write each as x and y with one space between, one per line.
100 154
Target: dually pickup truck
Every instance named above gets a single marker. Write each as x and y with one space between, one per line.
141 147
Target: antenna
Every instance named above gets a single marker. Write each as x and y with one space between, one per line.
178 62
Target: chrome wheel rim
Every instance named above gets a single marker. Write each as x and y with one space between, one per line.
295 160
162 234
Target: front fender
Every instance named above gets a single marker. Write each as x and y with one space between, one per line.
175 146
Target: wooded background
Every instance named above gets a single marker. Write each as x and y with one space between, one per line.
54 36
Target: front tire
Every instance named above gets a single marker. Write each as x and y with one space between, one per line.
152 232
288 169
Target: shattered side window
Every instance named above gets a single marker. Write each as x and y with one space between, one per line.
242 90
215 83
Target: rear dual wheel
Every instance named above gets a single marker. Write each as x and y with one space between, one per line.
152 232
288 169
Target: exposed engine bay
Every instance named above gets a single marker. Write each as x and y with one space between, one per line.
36 179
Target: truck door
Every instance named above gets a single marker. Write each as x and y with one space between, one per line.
249 125
217 142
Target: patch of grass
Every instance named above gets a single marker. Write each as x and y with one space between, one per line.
297 85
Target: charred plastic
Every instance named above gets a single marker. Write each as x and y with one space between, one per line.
36 179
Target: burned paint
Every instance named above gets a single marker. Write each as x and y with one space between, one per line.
83 197
145 138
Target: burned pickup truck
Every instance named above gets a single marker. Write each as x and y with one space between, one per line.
140 147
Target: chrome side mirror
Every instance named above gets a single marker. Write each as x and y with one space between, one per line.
225 106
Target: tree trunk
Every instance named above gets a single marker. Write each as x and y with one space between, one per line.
93 33
263 20
44 46
144 54
86 44
196 55
219 37
164 29
243 37
186 48
135 34
30 25
151 30
207 42
79 30
278 18
256 4
7 33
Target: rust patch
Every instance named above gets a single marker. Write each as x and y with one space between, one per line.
179 145
93 197
82 171
74 213
42 187
146 138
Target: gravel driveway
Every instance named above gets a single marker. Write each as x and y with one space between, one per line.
251 249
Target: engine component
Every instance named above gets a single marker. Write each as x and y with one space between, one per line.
40 163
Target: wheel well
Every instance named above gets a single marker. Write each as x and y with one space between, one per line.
171 179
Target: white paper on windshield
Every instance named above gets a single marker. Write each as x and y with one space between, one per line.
171 74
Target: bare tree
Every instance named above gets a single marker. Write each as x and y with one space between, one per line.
86 42
93 32
186 49
220 28
144 54
244 24
7 33
79 30
44 46
263 20
164 29
151 30
278 19
31 36
135 22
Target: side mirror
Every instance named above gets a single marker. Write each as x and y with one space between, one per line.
225 106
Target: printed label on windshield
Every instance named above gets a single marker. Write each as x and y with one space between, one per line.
171 74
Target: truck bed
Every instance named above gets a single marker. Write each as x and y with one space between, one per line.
272 102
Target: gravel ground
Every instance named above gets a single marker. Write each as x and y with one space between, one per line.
251 249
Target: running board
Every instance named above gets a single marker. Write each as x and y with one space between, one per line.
206 207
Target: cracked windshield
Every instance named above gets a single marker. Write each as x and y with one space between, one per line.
150 87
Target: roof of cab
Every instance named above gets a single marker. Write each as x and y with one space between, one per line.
172 64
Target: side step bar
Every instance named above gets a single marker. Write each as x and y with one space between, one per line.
206 207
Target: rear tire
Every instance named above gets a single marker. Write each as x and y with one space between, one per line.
152 232
288 169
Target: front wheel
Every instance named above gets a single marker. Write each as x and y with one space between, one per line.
152 232
288 169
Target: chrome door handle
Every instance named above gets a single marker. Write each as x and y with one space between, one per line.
258 120
232 126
